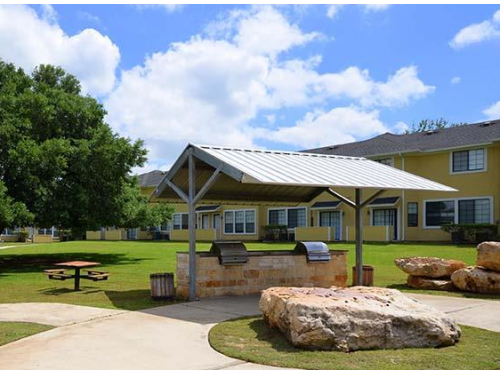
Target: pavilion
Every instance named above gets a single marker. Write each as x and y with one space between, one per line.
209 174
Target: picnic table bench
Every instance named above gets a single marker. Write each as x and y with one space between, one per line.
60 273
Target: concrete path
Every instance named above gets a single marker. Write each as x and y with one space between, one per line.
175 336
52 314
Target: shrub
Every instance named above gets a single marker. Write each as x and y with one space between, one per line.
474 233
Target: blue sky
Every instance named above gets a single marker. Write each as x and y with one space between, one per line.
285 77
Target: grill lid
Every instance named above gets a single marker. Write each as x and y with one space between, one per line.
315 251
230 252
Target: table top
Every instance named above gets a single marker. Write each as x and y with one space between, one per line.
78 264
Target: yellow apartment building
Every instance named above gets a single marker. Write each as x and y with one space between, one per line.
464 157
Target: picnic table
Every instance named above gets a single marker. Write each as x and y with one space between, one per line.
77 265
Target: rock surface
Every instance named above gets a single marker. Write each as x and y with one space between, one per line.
477 279
488 255
429 267
356 318
419 282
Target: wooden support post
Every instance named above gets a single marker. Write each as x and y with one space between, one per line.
359 238
192 228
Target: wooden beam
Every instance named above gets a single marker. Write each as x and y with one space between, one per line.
213 178
177 190
341 197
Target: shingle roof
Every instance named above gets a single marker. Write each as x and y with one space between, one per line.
384 201
328 204
152 178
388 143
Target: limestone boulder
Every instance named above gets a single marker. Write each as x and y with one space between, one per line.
349 319
428 266
477 279
488 255
425 283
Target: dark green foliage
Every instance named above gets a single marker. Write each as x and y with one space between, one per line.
12 213
57 154
427 125
471 233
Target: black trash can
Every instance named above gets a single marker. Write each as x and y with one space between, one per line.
162 286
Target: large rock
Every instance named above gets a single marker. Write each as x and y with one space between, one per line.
419 282
477 279
488 255
428 266
355 318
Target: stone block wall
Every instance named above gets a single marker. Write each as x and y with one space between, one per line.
261 272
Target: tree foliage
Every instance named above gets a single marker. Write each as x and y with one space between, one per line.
12 213
57 154
427 125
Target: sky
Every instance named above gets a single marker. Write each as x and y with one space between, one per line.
276 77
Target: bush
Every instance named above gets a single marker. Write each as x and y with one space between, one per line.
23 236
275 232
472 233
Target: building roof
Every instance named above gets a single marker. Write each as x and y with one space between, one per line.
389 144
282 176
211 208
151 179
385 201
322 205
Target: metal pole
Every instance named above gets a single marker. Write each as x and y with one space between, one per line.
359 238
192 229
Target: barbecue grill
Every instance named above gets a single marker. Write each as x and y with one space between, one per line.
315 251
230 252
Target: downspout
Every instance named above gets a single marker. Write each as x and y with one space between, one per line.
403 208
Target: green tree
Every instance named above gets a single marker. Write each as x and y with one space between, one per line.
137 213
57 154
427 125
12 213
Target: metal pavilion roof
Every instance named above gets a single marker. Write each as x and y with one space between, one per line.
281 176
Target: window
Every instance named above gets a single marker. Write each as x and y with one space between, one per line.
412 214
331 219
469 211
205 221
239 222
439 213
165 227
181 221
469 160
383 217
291 217
388 161
474 211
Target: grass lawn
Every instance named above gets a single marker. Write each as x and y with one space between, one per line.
12 331
250 339
130 263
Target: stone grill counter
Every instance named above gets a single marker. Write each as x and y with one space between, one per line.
264 269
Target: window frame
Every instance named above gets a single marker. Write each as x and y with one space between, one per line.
456 209
234 233
485 161
408 215
286 215
181 215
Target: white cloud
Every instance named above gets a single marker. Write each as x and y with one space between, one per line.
456 80
28 40
261 30
478 32
376 7
86 16
49 14
493 111
333 10
214 87
400 127
340 125
170 8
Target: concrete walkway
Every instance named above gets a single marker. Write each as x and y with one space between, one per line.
168 337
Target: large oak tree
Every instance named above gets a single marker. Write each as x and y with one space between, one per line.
59 157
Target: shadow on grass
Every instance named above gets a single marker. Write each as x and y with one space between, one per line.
21 263
61 291
271 336
457 293
136 299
